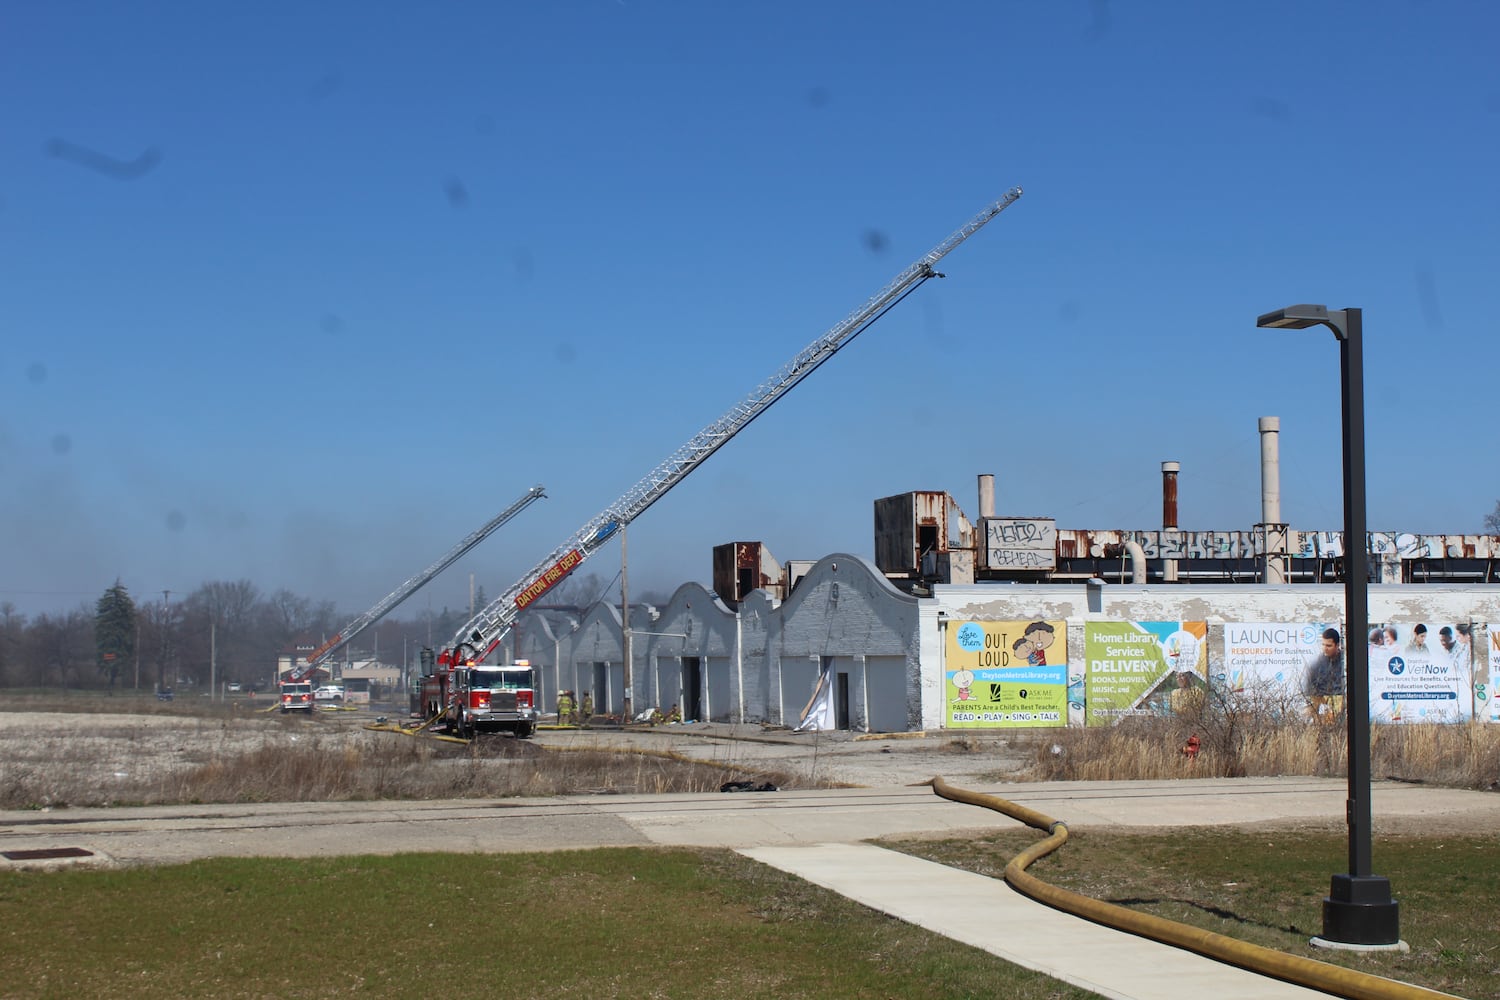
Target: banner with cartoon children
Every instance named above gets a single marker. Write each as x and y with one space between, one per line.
1422 672
1144 668
1006 674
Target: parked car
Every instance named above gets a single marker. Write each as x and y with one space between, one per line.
234 687
329 692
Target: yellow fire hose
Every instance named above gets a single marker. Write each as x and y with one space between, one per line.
1266 961
420 730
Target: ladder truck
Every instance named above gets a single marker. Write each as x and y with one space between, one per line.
301 677
484 632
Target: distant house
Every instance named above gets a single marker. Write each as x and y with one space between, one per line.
293 659
364 678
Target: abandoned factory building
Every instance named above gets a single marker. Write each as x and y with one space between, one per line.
1009 621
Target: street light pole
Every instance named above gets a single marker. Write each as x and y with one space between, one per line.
1358 911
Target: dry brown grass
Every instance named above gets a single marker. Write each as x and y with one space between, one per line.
1265 740
289 764
135 702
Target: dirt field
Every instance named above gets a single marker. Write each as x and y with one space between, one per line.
90 759
48 752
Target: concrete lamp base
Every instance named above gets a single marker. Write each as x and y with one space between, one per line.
1359 913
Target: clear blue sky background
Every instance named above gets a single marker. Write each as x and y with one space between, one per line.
305 293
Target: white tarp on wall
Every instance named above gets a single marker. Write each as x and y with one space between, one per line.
818 715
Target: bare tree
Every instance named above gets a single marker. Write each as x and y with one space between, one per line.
285 614
158 641
59 649
1492 520
220 631
580 590
12 632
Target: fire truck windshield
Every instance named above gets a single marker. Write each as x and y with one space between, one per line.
506 680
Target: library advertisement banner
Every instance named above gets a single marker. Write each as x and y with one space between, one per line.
1143 668
1006 674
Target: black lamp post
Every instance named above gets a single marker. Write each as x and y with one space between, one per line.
1358 910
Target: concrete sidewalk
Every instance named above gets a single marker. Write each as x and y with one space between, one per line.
987 913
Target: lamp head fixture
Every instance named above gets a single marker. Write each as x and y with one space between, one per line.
1301 317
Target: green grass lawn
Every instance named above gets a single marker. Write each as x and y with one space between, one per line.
597 924
1267 888
691 924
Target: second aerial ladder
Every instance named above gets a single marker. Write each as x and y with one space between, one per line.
483 633
346 635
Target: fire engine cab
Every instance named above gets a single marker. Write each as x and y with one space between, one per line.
476 698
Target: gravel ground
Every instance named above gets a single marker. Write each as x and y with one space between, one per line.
872 761
100 749
45 750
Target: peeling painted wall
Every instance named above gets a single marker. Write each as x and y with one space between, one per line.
1151 602
760 663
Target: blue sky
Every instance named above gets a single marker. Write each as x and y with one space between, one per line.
304 293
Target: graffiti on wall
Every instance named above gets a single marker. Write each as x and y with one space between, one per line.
1195 544
1020 543
1399 545
1172 543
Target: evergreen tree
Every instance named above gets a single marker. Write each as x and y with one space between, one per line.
114 631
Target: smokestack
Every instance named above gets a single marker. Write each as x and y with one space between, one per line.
1169 514
1270 470
987 495
1169 472
1273 571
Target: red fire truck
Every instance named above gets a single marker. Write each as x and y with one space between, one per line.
469 698
296 696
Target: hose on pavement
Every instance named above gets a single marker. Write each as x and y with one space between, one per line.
1306 972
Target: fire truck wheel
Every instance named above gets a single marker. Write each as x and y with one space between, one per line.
524 732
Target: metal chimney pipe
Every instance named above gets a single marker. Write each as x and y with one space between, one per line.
1169 472
987 495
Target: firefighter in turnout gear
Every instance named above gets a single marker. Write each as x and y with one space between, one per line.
565 714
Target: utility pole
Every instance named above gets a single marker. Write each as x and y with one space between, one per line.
625 621
166 618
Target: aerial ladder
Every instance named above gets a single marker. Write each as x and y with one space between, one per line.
479 637
346 635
